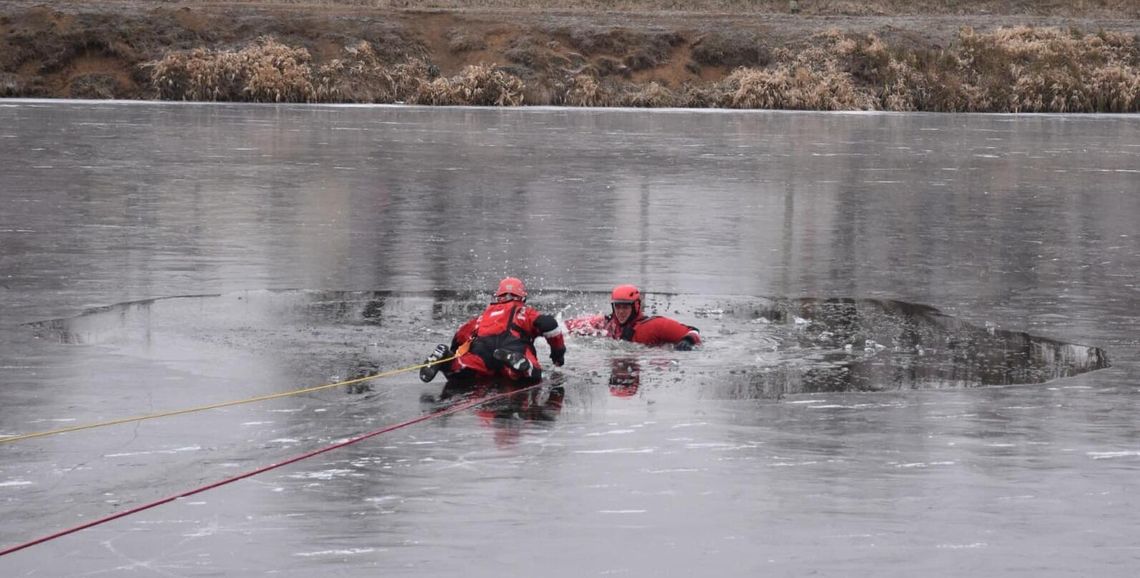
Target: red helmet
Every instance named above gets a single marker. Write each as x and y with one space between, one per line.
623 294
510 288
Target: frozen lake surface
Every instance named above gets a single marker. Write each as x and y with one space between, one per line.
922 351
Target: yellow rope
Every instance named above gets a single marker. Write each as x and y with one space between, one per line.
16 438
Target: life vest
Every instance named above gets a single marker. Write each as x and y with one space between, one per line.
498 328
657 330
625 332
499 319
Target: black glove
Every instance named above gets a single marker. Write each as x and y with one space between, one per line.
558 356
683 345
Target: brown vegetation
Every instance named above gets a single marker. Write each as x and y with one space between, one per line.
209 51
1065 8
1015 69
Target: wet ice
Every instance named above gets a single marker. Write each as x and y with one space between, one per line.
774 450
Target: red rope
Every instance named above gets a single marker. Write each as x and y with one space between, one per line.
446 411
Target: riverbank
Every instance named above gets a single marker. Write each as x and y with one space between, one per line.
1010 56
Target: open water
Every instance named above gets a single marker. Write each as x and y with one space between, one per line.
922 341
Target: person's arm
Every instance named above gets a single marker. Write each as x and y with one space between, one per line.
548 327
689 341
666 331
463 334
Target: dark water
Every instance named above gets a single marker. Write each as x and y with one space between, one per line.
872 289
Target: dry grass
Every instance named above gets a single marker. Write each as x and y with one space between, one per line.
636 50
363 76
652 95
10 85
811 79
794 88
95 86
731 49
460 40
477 85
266 71
1087 8
584 90
1007 70
1115 89
1025 69
1017 69
269 71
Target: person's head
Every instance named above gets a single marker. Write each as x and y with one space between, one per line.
626 303
510 289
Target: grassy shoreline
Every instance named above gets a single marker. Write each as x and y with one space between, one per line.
1046 56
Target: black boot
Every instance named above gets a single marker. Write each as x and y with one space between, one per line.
428 373
514 360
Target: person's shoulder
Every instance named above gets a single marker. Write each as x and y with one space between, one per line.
658 319
531 315
664 329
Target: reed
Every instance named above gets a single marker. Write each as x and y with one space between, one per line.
1024 69
1018 69
362 75
652 95
815 78
10 85
584 90
266 71
476 85
1099 8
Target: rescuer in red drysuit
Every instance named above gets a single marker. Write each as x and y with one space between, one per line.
628 322
500 342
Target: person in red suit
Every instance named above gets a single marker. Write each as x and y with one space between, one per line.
628 322
499 343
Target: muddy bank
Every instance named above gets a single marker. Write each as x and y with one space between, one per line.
874 55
